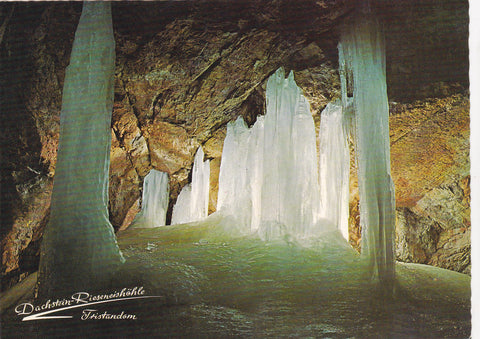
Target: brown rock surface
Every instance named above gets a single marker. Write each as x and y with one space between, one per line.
429 146
123 178
430 167
21 245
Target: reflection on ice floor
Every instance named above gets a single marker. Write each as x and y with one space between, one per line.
216 285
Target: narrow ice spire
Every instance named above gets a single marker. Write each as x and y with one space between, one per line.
233 183
334 167
362 53
200 186
154 200
79 249
192 202
254 170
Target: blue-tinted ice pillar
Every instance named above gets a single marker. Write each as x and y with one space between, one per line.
362 55
79 249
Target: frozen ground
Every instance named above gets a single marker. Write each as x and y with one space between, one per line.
216 284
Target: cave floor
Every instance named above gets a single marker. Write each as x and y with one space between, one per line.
208 282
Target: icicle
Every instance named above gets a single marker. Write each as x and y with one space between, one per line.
363 53
192 202
334 167
79 248
154 200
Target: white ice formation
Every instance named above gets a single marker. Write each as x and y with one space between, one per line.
192 202
269 173
155 198
334 166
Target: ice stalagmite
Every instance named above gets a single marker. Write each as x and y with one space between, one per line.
254 170
303 192
269 173
200 186
154 200
363 54
334 167
234 196
290 193
79 249
192 202
181 209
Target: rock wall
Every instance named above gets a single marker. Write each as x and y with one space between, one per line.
430 164
183 70
430 168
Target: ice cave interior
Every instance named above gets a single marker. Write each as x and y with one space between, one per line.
274 258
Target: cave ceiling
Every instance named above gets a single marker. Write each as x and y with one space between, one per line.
427 40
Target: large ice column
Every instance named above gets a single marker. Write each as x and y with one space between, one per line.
154 200
233 183
79 249
241 175
277 148
192 202
363 54
269 173
290 193
334 166
303 196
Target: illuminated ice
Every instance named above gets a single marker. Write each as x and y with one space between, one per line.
200 186
154 200
234 196
334 166
79 248
269 173
181 209
362 58
192 202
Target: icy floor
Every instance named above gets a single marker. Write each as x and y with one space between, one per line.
218 285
